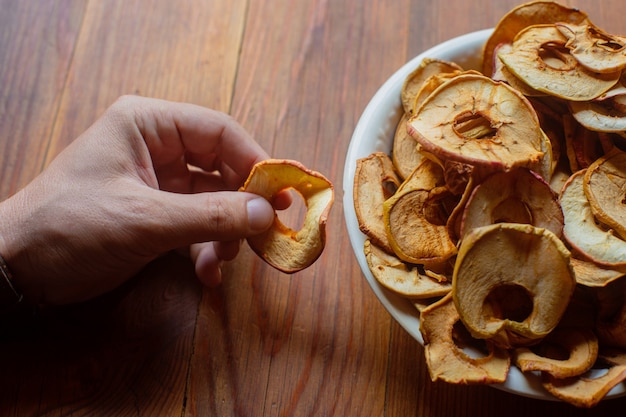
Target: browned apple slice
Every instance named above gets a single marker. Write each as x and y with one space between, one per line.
517 196
415 217
565 352
540 59
447 349
374 182
600 116
611 316
604 184
524 15
502 73
582 231
512 283
606 113
594 48
475 120
402 278
591 274
283 248
587 391
415 80
582 145
404 152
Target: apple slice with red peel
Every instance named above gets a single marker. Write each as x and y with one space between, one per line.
283 248
375 181
414 82
475 120
605 187
517 196
595 49
404 153
581 230
400 277
540 58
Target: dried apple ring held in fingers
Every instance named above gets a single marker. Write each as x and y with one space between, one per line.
283 248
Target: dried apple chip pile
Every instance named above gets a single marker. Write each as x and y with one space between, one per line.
500 211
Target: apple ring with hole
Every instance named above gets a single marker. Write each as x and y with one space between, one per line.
283 248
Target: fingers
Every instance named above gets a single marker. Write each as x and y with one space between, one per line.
209 257
184 219
207 264
178 134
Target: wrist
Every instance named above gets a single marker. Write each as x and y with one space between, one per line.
10 296
10 287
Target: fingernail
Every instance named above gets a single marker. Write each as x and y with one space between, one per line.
260 214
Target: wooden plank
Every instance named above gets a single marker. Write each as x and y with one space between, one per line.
36 44
127 350
315 343
181 51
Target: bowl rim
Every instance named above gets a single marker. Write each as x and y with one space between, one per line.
400 308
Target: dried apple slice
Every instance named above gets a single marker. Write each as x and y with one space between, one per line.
588 390
581 230
415 218
454 222
565 352
595 49
524 15
502 73
540 59
400 277
404 153
583 146
517 196
605 187
611 318
591 274
606 113
600 116
447 356
415 80
374 182
512 283
475 120
282 247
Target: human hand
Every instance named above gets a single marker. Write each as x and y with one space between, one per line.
149 176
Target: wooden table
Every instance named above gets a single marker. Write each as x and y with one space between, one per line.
297 74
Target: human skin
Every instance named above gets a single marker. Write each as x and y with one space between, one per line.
149 176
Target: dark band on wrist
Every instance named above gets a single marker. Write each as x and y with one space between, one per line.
9 295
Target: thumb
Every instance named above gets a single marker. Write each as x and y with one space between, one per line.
214 216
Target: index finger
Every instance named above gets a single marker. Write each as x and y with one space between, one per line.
181 133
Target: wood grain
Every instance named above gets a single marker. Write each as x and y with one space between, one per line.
180 51
36 47
297 75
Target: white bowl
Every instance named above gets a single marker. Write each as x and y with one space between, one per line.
374 132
